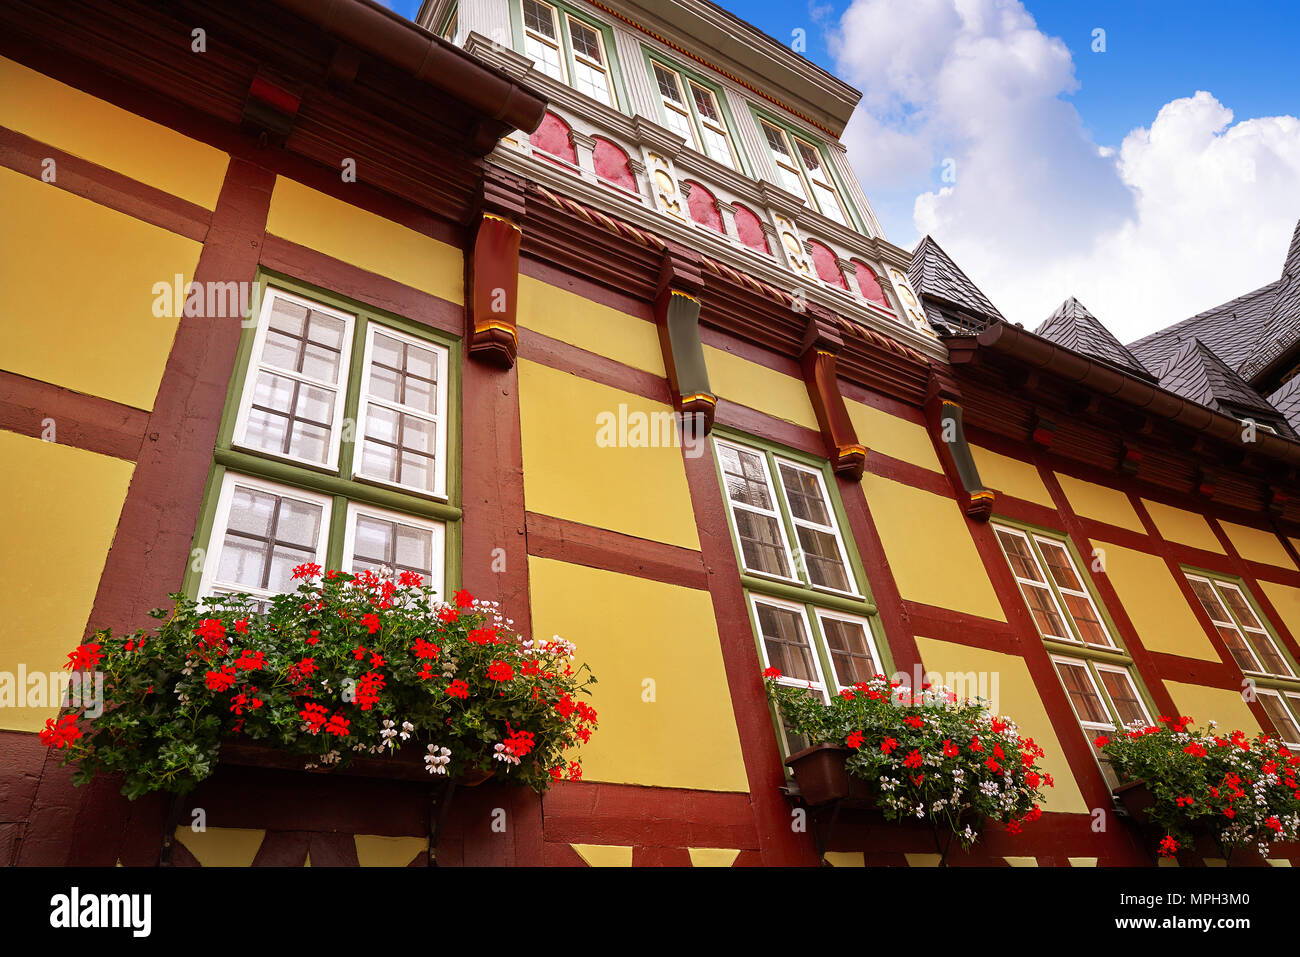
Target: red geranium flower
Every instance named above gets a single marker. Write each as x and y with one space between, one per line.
463 599
371 622
771 672
62 734
85 657
458 689
855 739
500 671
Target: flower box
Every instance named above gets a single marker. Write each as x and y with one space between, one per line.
1137 800
405 765
820 773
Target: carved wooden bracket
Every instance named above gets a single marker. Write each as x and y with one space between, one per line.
677 316
492 270
821 346
943 414
270 108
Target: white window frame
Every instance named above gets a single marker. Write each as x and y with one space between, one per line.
1127 674
776 499
437 575
793 164
1290 703
256 367
208 582
1106 704
718 126
684 108
841 215
1245 632
1045 583
439 418
831 613
820 685
604 67
556 44
800 564
1084 594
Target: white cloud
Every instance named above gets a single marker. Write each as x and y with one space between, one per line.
1184 214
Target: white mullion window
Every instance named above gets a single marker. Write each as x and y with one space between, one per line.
401 413
260 533
823 559
590 70
1075 595
1256 634
1232 636
1285 719
1126 703
787 167
1038 594
292 404
828 197
389 543
1084 694
755 512
786 641
677 114
717 144
851 647
542 38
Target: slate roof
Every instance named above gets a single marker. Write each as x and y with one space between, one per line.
1196 373
935 276
1075 328
1284 321
1229 329
1287 401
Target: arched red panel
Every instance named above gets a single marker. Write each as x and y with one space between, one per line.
612 164
704 208
869 284
553 137
750 230
827 269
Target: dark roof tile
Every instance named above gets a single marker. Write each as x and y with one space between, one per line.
933 274
1074 327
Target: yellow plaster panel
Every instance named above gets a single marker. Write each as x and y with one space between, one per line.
639 491
76 299
222 846
1021 861
712 856
1082 861
1286 601
59 508
922 860
1181 526
930 550
1151 596
686 736
1257 545
78 123
1108 505
1224 705
571 318
758 387
1011 476
1017 698
892 436
604 855
378 850
1278 862
365 240
845 859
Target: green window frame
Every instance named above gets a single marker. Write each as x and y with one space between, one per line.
1241 624
691 122
564 16
343 497
1087 652
834 633
814 186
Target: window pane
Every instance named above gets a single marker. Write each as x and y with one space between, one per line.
1083 695
776 140
1022 560
760 543
716 146
850 652
266 536
1238 605
1238 648
1059 564
821 557
667 83
591 81
1282 719
745 477
804 494
585 41
1268 654
679 124
705 105
1123 695
1085 618
538 18
1043 609
1209 600
303 340
546 57
786 641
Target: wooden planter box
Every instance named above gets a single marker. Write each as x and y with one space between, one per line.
1137 799
406 765
822 777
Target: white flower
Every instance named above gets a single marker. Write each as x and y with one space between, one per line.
437 759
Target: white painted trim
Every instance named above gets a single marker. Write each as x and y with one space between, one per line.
438 542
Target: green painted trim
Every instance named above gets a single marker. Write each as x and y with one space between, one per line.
1083 651
377 495
719 94
623 102
818 143
445 19
203 530
807 596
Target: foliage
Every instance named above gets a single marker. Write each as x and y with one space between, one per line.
929 756
344 666
1241 791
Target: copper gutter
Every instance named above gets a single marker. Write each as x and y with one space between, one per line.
431 59
1027 349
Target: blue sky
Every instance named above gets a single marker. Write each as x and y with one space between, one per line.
1152 180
